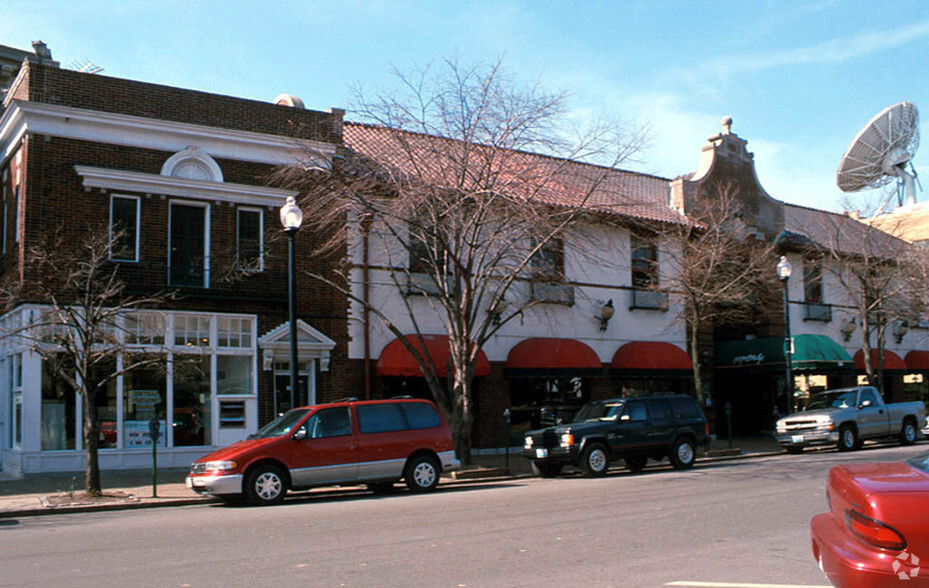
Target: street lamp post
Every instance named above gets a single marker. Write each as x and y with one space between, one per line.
783 272
291 219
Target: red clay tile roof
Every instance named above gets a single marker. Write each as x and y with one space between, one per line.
543 179
840 232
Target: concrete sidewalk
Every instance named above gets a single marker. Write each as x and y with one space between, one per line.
63 493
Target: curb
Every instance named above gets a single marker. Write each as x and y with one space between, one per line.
491 474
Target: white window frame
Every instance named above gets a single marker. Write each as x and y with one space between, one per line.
16 386
3 183
138 225
19 211
206 237
261 238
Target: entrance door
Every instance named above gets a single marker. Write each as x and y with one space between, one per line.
282 396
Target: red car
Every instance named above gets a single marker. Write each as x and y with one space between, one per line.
347 442
877 529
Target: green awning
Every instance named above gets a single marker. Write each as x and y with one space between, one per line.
812 353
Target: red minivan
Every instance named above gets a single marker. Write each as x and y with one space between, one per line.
348 442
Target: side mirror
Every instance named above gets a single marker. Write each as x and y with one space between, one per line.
300 435
864 404
625 417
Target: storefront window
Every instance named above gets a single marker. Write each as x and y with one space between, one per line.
191 331
145 328
234 374
234 332
58 406
105 405
143 400
192 402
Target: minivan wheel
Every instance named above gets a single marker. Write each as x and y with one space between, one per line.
421 474
908 433
683 454
595 461
545 470
266 485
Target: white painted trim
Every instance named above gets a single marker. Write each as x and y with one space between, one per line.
114 179
170 165
136 131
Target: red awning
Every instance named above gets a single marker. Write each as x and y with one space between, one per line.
395 360
653 357
917 361
892 361
541 357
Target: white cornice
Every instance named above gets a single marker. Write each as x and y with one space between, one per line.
120 180
134 131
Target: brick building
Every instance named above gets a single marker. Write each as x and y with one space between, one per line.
185 175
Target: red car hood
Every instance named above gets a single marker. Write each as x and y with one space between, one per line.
238 451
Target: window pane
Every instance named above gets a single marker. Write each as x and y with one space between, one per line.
58 408
191 331
144 399
380 418
421 415
192 402
188 245
249 239
234 374
105 405
124 227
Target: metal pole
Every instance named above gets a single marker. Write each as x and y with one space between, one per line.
788 359
292 304
506 442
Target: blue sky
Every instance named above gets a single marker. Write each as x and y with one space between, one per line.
799 78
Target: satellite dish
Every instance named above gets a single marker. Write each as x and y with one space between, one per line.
880 152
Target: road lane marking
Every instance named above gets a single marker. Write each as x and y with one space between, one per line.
683 584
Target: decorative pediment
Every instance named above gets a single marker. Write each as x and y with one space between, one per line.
192 164
311 344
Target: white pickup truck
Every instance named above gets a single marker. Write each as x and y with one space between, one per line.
847 416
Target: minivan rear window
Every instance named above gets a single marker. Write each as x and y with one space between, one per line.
684 408
421 415
380 418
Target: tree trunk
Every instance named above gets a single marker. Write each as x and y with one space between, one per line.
694 333
91 444
461 430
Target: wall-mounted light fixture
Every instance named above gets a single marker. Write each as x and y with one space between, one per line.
606 313
901 330
848 327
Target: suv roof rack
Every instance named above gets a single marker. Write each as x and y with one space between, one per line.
346 399
402 397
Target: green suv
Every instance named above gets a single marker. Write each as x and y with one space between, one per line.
631 429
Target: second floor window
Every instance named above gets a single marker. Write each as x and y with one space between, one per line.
644 262
548 262
124 228
250 246
188 230
813 280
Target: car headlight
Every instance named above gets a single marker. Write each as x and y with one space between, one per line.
567 440
781 427
827 425
221 466
528 443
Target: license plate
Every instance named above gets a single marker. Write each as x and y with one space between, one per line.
541 453
796 438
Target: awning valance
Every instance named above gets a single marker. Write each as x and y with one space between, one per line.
396 360
892 361
543 357
917 361
811 353
652 359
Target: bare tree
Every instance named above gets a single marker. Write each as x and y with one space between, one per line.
879 275
461 185
718 265
78 330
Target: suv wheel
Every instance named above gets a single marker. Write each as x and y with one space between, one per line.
908 433
683 454
421 474
545 470
595 461
266 485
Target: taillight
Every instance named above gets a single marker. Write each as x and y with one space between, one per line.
706 427
874 532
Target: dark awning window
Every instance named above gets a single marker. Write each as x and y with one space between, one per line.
651 359
396 360
892 361
812 353
552 358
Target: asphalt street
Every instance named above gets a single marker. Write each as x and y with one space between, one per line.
742 522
